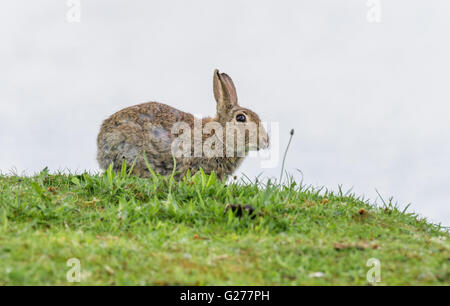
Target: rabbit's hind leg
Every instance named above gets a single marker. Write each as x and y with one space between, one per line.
123 143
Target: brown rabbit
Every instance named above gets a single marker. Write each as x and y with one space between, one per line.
148 129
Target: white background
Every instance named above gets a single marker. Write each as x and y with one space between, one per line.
369 101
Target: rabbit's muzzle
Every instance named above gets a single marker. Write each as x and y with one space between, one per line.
264 141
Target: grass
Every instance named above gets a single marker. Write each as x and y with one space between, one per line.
131 231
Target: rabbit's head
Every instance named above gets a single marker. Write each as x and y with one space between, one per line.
231 115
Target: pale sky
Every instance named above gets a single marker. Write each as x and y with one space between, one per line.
369 101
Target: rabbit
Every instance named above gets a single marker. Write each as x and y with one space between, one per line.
147 129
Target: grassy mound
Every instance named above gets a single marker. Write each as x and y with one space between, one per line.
126 230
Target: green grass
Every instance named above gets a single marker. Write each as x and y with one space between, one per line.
132 231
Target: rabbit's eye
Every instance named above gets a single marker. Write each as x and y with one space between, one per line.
241 118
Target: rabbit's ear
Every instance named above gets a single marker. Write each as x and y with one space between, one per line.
224 91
